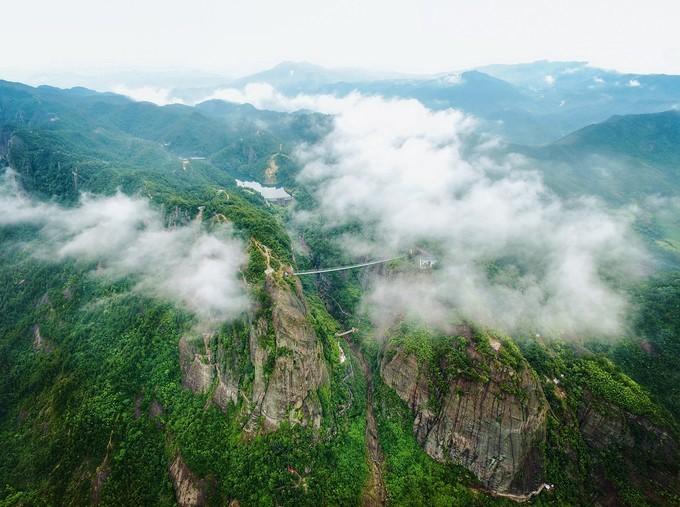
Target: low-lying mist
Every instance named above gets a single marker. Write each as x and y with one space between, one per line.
125 237
511 254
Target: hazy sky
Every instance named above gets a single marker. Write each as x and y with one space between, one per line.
412 36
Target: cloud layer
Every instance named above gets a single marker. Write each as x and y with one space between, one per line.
125 236
511 253
157 95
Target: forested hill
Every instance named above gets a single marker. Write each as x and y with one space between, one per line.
651 138
107 134
107 393
115 394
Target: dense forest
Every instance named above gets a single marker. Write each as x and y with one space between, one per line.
103 391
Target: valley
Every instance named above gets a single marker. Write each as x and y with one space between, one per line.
297 316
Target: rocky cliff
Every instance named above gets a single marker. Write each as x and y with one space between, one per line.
288 358
190 491
646 451
283 351
604 424
476 403
205 362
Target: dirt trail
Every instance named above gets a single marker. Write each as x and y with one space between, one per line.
374 492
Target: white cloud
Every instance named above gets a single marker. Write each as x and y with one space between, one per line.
126 237
454 78
265 96
159 96
549 80
412 176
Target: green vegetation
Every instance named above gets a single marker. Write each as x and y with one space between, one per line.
90 380
651 357
111 355
103 387
577 381
609 384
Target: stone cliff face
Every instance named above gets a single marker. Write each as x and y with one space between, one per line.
289 390
203 363
286 356
494 425
190 491
605 426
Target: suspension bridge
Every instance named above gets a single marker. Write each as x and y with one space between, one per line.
343 268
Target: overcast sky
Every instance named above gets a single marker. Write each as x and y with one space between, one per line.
410 36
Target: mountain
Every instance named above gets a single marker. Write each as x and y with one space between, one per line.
543 74
532 103
625 160
650 138
571 95
300 77
107 123
109 79
621 159
116 388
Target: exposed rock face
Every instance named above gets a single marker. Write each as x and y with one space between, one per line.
190 491
603 425
495 432
101 474
290 391
634 440
40 343
197 362
202 365
286 354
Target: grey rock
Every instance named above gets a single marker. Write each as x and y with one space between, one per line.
496 434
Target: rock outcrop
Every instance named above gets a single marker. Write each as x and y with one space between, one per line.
605 426
288 391
286 356
494 424
40 343
190 491
203 363
101 474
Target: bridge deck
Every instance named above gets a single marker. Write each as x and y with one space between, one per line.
343 268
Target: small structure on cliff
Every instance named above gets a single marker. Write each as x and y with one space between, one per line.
423 258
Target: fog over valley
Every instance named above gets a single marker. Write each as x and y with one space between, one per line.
340 254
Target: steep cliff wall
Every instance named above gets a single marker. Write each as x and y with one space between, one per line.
288 359
646 451
283 353
190 491
476 403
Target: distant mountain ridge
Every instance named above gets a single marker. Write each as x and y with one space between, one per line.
625 160
530 103
624 157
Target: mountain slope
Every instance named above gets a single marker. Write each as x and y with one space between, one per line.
621 159
93 396
533 103
112 395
